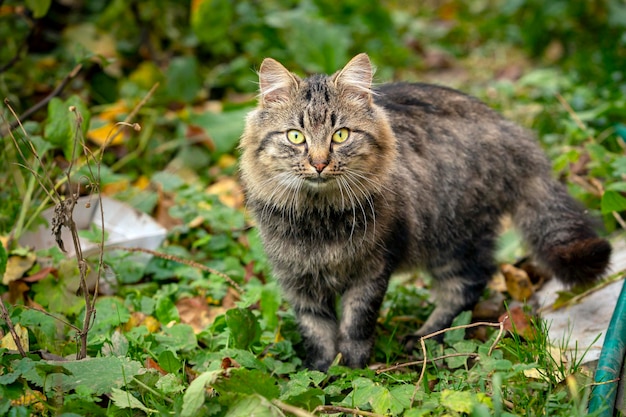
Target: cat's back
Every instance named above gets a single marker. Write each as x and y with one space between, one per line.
430 101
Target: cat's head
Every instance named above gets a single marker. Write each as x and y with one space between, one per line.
321 137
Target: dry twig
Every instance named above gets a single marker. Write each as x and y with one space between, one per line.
194 264
332 409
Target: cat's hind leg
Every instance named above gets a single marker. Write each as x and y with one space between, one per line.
458 284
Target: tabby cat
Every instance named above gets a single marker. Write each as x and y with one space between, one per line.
349 183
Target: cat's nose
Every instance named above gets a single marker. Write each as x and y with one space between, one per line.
319 166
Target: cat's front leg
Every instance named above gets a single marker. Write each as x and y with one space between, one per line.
360 307
317 321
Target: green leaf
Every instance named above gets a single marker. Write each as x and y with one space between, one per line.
62 125
124 399
459 401
248 381
39 7
44 327
364 392
223 128
59 295
612 201
170 384
253 405
453 336
97 375
17 369
178 338
169 362
464 346
210 21
617 186
110 313
195 393
182 79
244 327
270 303
244 358
166 310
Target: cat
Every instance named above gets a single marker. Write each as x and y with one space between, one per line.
349 183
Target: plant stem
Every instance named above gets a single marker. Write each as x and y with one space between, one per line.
4 313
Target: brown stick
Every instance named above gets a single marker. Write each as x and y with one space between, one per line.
59 88
186 262
4 313
332 409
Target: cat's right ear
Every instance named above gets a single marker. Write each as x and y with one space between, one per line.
276 83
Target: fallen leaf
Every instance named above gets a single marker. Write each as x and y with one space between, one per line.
197 134
113 188
41 274
114 111
196 312
226 161
518 321
152 364
17 267
30 398
497 282
142 182
8 342
108 133
162 212
228 191
518 283
17 289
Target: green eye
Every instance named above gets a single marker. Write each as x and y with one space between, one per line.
295 136
341 135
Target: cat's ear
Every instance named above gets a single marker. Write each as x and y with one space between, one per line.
276 83
356 77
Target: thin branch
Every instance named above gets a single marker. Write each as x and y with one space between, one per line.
46 99
437 333
67 323
332 409
33 151
452 355
20 49
573 114
296 411
186 262
4 314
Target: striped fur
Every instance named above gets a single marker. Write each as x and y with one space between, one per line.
421 182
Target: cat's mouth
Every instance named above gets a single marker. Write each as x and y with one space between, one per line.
318 181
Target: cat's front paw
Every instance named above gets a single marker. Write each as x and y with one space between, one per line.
355 353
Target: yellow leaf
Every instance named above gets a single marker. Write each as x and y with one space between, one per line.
30 398
112 111
17 266
8 342
226 161
107 133
228 192
518 283
115 187
142 182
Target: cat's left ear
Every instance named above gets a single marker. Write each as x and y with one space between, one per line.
356 77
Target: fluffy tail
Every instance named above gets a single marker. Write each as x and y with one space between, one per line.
561 234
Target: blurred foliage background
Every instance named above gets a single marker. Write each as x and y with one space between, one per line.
519 55
185 72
